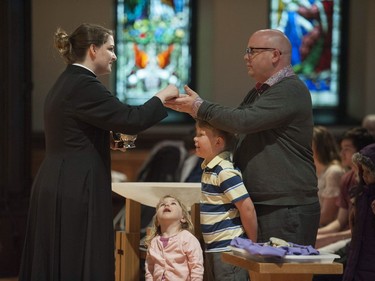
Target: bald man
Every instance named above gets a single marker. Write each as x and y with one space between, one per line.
368 122
274 124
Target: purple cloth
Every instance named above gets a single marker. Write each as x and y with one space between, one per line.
266 250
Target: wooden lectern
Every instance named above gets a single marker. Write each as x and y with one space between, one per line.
147 193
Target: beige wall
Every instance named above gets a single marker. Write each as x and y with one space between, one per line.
223 31
47 16
369 71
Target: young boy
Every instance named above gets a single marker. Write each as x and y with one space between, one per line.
226 210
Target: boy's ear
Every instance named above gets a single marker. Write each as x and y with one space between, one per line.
220 141
183 220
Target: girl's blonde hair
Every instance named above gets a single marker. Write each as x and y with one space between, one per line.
155 227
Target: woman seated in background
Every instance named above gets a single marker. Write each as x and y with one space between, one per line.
329 172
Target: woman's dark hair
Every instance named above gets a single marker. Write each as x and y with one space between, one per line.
325 145
359 136
73 47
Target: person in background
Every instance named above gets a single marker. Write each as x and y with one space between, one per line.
69 233
361 257
274 124
329 172
226 210
352 141
173 252
368 122
335 237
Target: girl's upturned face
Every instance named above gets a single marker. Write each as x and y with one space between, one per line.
368 176
169 209
105 57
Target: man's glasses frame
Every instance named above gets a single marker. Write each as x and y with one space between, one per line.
251 51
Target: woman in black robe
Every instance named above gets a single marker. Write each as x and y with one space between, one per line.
70 233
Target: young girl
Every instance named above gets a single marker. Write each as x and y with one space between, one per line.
173 253
360 264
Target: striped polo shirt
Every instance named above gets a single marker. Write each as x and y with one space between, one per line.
222 186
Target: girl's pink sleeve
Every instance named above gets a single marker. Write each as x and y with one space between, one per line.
195 258
149 267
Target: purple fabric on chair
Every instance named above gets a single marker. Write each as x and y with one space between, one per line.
266 250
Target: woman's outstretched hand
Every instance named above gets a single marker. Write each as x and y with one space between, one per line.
184 102
168 93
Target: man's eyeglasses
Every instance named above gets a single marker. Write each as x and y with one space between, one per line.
250 51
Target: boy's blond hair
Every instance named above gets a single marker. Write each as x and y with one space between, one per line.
229 138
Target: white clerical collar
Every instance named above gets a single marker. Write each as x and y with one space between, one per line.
81 65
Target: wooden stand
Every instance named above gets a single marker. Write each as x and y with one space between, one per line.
127 244
262 271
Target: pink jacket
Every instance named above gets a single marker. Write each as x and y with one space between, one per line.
181 259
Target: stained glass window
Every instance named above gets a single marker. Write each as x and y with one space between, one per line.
154 47
314 29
